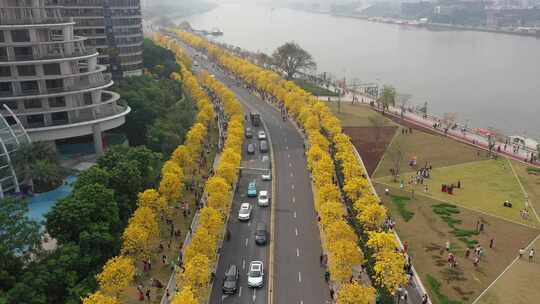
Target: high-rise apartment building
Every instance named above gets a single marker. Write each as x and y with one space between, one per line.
114 28
49 78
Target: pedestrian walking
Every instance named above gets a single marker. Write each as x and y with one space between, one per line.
491 243
331 293
425 299
481 227
531 254
148 295
467 253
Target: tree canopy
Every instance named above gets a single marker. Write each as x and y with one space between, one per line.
290 59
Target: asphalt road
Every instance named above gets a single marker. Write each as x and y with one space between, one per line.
297 275
241 248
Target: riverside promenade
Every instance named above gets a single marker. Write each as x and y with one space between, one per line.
467 136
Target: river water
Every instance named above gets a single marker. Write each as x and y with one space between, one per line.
488 79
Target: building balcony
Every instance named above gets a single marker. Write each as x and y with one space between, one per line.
77 122
31 15
47 54
79 87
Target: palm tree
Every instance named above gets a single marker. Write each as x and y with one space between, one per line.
36 162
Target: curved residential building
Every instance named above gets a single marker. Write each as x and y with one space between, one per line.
50 80
114 28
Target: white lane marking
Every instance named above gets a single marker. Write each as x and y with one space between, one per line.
247 241
292 174
294 214
293 198
288 156
240 292
249 223
299 277
254 294
290 165
296 231
297 252
243 264
301 302
292 186
286 147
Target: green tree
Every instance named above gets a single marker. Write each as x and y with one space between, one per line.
36 163
79 213
154 56
290 59
19 236
94 175
387 97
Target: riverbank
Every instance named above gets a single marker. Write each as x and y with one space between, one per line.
429 26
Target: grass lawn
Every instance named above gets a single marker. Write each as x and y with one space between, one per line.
439 151
519 285
356 115
426 234
485 186
159 270
530 182
314 89
515 285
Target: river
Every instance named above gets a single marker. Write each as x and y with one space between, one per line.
487 79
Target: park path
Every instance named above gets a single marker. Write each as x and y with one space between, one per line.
460 133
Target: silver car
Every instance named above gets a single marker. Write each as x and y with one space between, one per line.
244 214
256 274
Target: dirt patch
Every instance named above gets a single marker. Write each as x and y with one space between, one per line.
426 234
371 143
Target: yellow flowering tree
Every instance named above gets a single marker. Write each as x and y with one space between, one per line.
100 298
186 296
116 275
355 293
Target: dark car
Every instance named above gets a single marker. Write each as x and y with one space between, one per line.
249 133
230 282
261 234
263 146
251 149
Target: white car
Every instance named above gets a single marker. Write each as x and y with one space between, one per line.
245 212
255 274
261 135
266 176
263 199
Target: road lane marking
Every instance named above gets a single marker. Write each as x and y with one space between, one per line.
288 155
292 174
254 294
247 241
294 214
249 223
292 186
297 252
299 277
296 231
290 165
286 147
301 302
240 292
293 198
243 264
